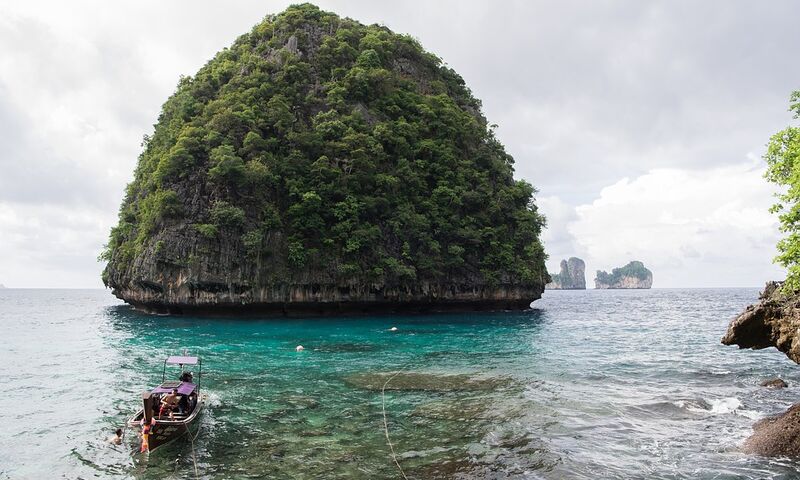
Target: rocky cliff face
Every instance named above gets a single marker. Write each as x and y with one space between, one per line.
774 321
571 277
634 275
319 165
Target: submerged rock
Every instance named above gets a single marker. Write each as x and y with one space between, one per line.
454 410
774 383
346 347
322 166
417 381
571 277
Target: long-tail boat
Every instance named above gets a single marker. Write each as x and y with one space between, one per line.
171 409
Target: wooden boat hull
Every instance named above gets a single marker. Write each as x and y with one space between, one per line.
164 431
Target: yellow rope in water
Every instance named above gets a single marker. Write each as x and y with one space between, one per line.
194 457
386 423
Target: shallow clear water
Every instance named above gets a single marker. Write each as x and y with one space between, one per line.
589 384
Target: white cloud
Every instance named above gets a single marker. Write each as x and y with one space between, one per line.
558 240
621 89
51 245
693 228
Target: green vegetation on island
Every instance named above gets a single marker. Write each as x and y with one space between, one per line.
317 150
632 275
783 169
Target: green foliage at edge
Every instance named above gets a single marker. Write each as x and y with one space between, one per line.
783 169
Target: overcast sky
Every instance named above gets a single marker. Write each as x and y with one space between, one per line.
642 124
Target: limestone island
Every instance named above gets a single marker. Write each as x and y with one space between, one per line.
321 166
571 277
632 276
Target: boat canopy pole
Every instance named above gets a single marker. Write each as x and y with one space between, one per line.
147 404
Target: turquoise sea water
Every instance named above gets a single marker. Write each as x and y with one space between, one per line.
588 384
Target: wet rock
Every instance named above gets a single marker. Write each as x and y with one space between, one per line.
774 383
776 436
417 381
774 321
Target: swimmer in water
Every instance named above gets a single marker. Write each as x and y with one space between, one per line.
116 439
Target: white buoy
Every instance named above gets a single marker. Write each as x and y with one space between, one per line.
299 348
393 329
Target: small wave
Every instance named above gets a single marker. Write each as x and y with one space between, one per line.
722 406
213 399
718 406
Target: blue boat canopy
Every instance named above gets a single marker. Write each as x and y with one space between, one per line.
180 360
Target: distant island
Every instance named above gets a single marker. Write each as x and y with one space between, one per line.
571 277
2 286
633 275
322 166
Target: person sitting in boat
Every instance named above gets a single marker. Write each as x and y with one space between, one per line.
168 403
186 377
183 404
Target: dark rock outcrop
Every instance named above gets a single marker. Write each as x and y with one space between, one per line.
771 322
776 383
634 275
571 277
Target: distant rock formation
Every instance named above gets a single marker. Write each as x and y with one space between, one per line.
2 286
633 275
774 321
571 277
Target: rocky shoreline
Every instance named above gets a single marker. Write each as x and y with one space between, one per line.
177 296
774 321
316 309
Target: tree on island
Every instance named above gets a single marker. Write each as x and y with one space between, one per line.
783 168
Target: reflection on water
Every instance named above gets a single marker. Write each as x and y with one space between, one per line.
589 384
